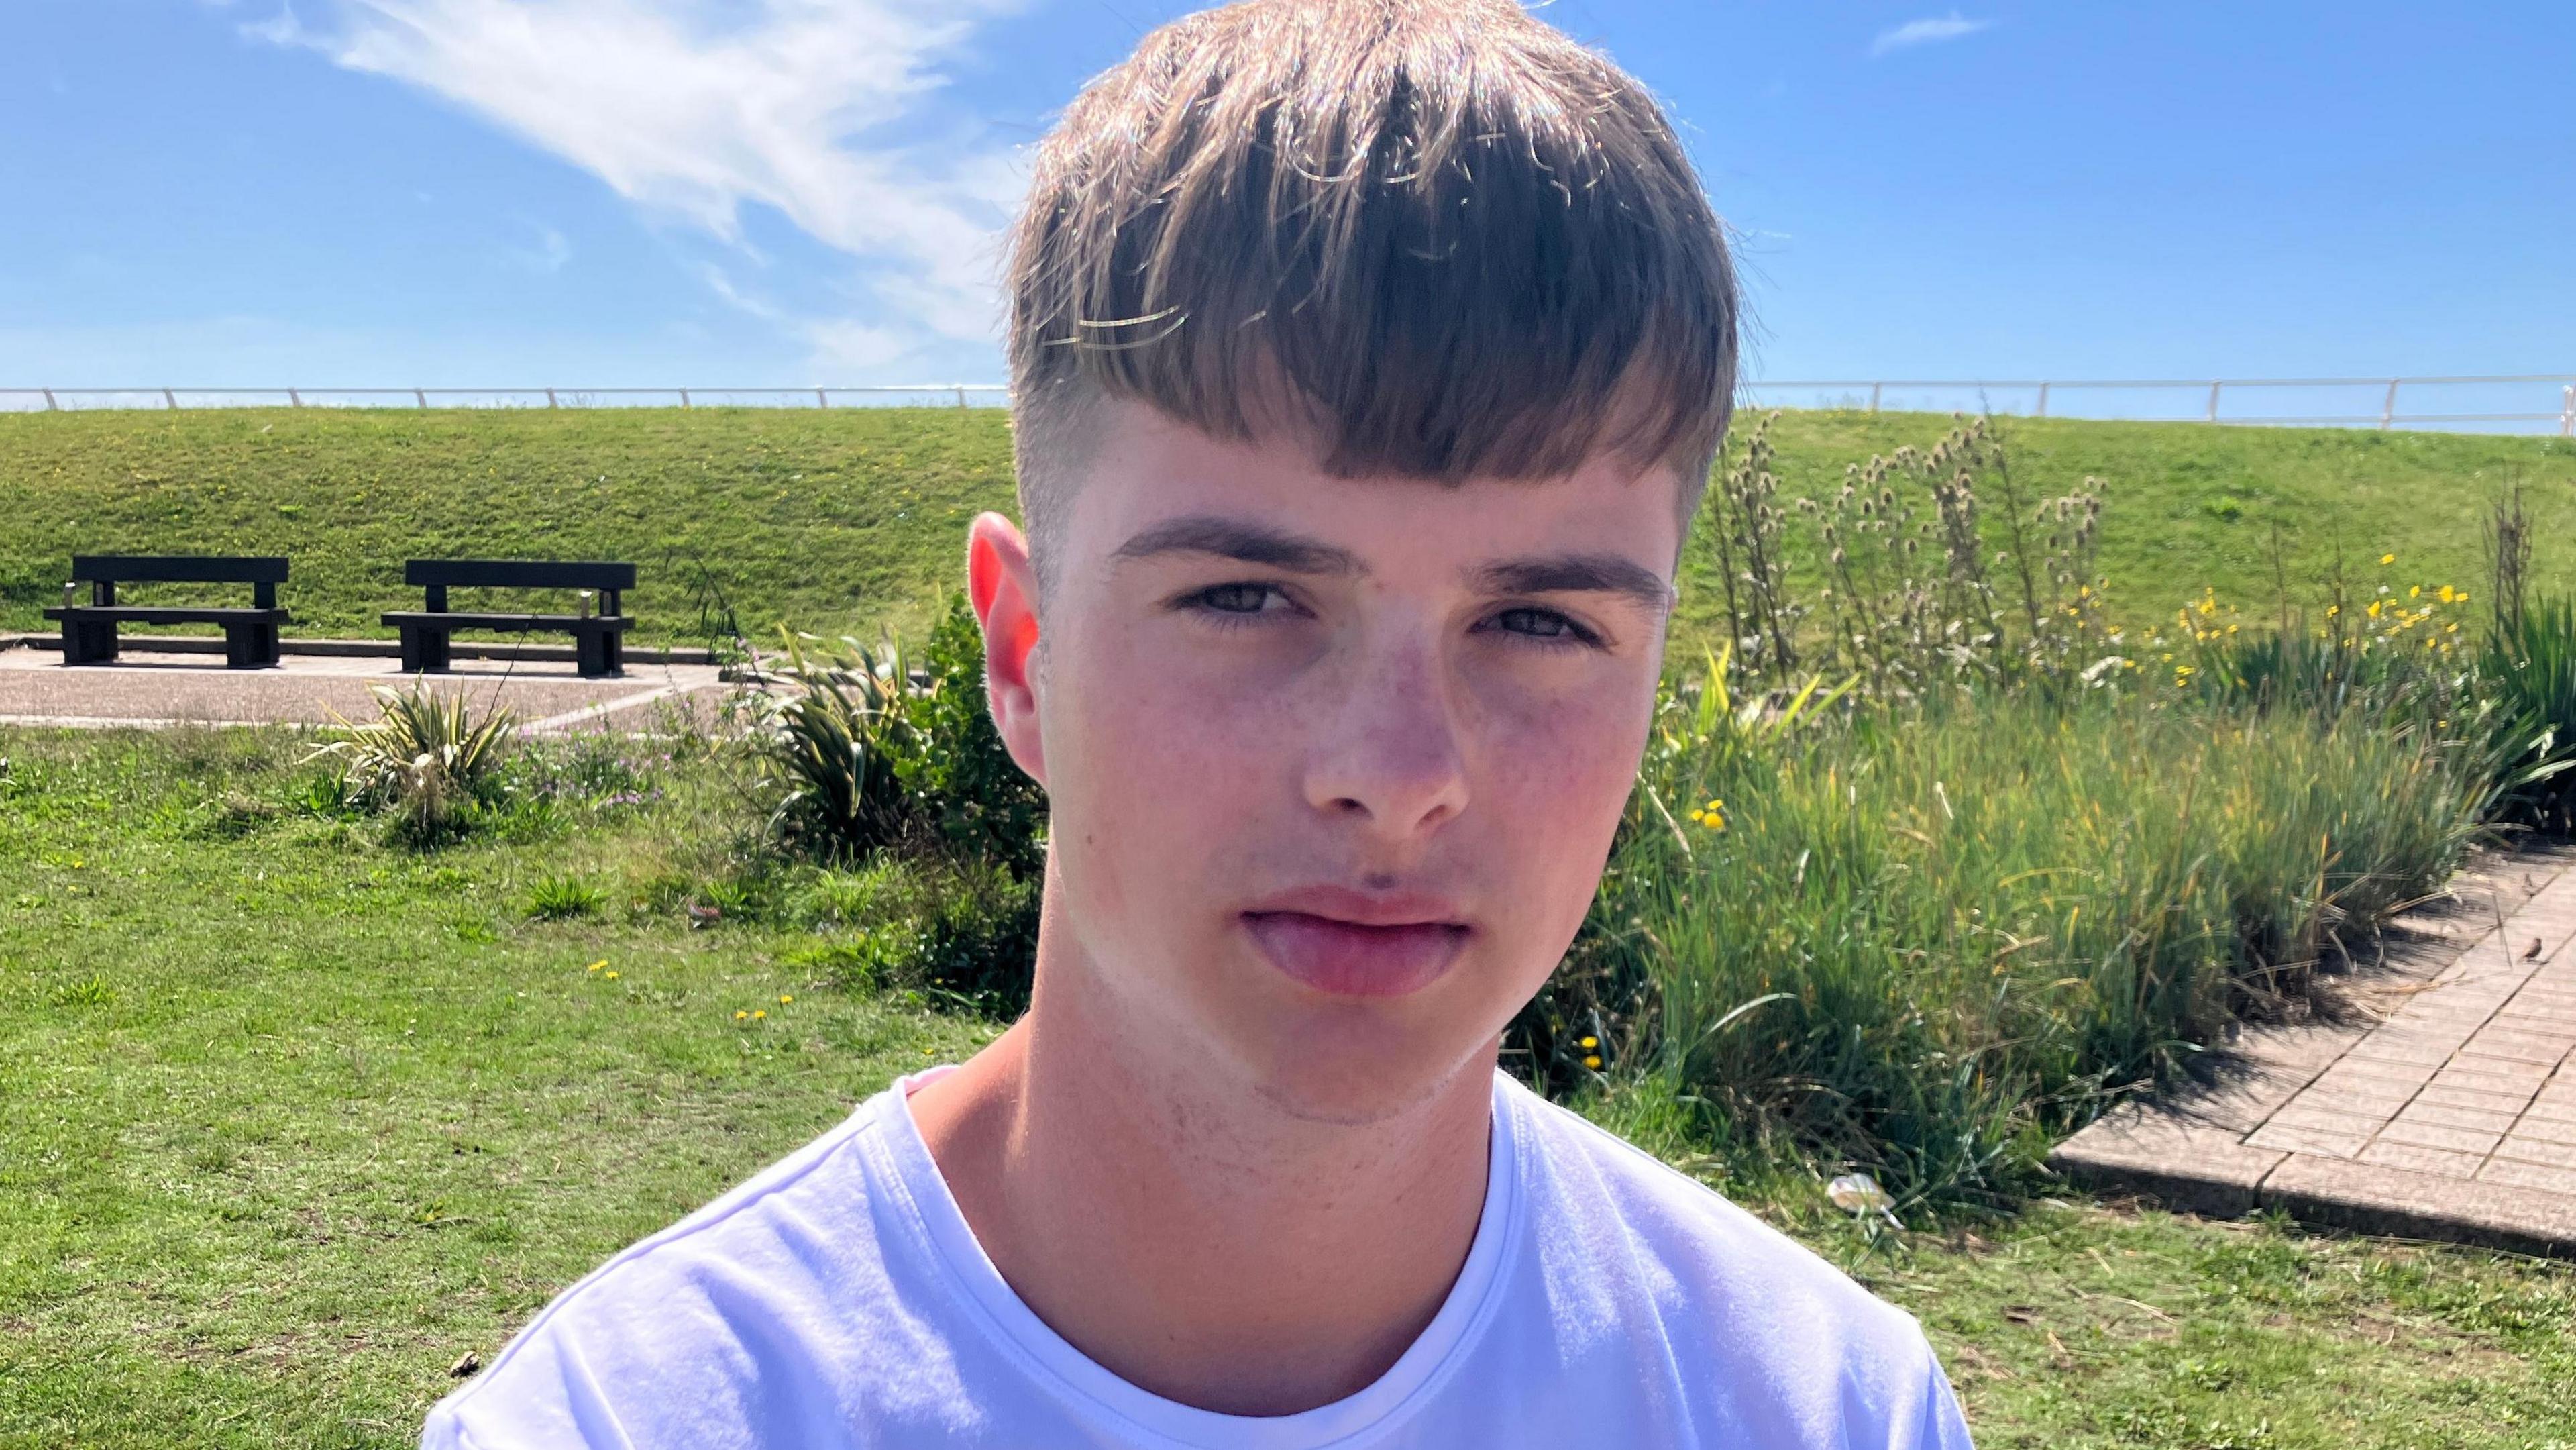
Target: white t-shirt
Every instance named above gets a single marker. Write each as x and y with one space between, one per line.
839 1299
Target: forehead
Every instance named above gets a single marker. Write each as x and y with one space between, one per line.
1145 469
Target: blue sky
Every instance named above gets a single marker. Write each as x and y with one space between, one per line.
758 192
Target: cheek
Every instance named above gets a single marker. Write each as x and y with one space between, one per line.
1557 772
1164 773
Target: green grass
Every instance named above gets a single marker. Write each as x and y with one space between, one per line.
291 1117
825 521
846 520
1926 943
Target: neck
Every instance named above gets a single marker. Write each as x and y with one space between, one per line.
1187 1234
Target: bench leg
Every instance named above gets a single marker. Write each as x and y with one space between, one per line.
250 646
424 650
592 649
89 641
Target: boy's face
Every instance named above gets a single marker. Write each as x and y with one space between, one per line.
1333 765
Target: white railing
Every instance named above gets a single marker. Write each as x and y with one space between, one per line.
2520 402
27 400
2513 402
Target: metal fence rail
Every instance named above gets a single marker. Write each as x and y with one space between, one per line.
26 400
2513 402
2538 402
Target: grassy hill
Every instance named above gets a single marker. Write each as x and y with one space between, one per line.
853 519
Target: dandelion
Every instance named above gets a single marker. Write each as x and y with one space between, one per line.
739 1016
1590 1043
784 999
2414 591
612 976
760 1016
595 966
2374 609
2388 558
1592 1062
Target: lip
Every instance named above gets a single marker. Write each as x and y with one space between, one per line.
1354 944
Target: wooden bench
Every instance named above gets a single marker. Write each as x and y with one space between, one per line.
598 639
250 635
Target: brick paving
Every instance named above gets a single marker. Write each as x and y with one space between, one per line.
2446 1107
148 688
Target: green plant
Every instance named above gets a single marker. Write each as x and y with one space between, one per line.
1922 939
2528 665
562 897
830 749
428 757
864 753
982 806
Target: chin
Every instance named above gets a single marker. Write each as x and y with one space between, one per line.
1355 1072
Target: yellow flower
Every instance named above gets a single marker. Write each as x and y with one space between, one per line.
2374 609
2414 591
784 999
2388 558
2333 609
759 1016
595 966
1592 1062
739 1016
612 976
1590 1043
2445 594
2452 628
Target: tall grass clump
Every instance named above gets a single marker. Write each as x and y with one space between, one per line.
429 759
1919 943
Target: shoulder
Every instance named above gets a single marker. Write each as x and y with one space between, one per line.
1740 1311
686 1337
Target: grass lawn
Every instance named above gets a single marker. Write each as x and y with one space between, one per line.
291 1118
848 519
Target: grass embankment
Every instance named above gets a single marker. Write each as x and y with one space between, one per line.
846 520
298 1116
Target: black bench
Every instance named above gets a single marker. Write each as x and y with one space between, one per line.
598 639
250 635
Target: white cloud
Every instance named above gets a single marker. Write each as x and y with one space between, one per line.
699 108
548 249
1926 32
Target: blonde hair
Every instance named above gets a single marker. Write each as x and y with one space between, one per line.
1438 238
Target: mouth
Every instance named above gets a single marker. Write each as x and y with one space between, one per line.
1358 947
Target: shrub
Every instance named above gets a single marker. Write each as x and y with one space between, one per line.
828 750
1919 940
864 755
562 898
429 758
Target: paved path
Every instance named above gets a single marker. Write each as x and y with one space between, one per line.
153 689
2446 1108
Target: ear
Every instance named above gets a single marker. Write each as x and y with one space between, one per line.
1004 590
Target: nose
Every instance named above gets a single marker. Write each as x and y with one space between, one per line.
1389 756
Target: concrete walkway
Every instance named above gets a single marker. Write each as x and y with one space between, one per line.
149 689
2444 1107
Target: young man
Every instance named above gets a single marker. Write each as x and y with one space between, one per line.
1369 357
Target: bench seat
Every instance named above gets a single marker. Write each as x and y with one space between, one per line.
525 623
168 613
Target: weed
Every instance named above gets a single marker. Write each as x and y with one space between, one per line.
562 898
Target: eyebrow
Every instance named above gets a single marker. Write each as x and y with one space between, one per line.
1253 543
1576 574
1248 542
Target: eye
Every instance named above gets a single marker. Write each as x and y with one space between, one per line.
1541 626
1234 598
